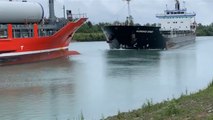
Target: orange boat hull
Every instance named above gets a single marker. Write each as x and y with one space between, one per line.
11 47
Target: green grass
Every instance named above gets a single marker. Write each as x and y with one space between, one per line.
198 106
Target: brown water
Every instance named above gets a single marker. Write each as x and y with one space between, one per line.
101 82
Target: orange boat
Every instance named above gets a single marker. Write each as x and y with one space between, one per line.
24 30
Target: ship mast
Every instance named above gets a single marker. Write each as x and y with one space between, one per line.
52 16
177 5
129 10
129 20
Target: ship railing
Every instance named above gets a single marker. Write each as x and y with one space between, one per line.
174 15
3 27
26 31
23 31
80 15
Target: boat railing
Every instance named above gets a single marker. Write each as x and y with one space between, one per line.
80 15
175 15
76 17
27 30
3 27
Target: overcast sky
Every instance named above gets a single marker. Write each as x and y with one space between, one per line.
143 11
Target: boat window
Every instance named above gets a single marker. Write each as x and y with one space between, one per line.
22 33
16 34
26 33
3 33
46 32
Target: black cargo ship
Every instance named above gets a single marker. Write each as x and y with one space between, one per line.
177 28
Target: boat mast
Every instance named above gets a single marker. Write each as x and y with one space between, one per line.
64 11
129 18
177 5
129 11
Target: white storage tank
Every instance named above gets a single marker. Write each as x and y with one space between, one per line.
20 12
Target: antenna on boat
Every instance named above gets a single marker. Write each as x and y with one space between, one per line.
129 10
184 5
64 9
129 18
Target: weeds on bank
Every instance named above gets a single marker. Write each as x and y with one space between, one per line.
172 108
81 116
211 84
146 106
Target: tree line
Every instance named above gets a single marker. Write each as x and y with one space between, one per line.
93 32
204 30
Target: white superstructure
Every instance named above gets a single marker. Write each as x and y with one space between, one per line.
177 20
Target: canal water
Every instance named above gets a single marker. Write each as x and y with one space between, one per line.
100 82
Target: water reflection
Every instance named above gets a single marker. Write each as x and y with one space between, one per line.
36 103
132 57
177 70
35 74
126 63
101 82
44 90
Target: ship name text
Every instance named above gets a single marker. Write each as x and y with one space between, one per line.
144 31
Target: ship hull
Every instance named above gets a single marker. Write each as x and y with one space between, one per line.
13 47
22 59
144 37
179 41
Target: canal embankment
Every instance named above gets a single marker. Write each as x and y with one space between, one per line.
196 106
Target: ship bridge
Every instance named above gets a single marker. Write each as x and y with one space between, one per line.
177 19
175 13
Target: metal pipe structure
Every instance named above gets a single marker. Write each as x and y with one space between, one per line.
52 16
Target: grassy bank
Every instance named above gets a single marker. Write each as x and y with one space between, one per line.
197 106
84 37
